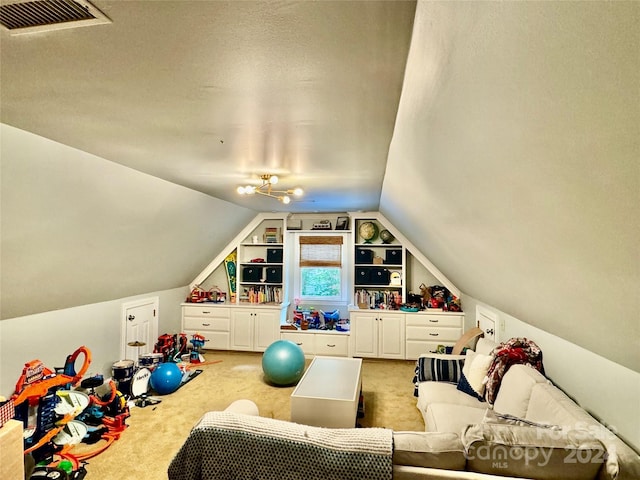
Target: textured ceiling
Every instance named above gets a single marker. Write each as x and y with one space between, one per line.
210 95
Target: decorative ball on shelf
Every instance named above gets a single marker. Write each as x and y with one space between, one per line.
283 363
166 378
386 236
368 231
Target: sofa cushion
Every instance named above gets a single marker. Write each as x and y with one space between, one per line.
491 416
441 392
531 452
475 369
515 390
446 417
428 449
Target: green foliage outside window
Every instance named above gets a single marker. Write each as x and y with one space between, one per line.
320 281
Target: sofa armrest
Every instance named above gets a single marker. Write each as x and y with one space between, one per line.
523 451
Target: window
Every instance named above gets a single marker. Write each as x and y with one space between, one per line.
320 272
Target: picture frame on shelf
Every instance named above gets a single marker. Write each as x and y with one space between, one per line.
342 223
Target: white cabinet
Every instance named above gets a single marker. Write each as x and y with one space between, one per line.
210 321
254 329
327 343
378 334
425 331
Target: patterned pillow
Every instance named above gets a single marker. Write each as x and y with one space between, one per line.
438 368
472 380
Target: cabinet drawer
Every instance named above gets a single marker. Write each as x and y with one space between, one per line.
205 311
434 334
303 340
220 324
434 320
333 345
417 348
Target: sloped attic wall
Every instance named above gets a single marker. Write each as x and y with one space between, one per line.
77 229
514 162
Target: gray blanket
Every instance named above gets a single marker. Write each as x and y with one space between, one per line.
230 446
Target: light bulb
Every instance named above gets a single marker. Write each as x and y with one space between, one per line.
273 179
241 190
286 200
298 192
249 189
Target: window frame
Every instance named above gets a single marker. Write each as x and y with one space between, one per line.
341 299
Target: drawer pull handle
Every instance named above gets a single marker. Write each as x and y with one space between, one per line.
434 321
299 343
331 345
434 334
204 312
206 324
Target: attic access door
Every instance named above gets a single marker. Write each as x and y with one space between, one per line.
139 324
486 320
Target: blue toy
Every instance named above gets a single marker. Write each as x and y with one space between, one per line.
166 378
283 362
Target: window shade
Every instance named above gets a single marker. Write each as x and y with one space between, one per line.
321 251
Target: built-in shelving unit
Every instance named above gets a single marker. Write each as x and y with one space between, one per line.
253 269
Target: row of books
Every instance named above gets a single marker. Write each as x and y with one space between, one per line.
262 294
376 298
272 235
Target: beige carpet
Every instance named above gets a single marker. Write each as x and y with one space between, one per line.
156 433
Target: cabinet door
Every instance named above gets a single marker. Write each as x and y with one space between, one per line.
266 329
391 335
364 334
242 329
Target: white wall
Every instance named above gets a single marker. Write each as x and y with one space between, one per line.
607 390
514 162
51 336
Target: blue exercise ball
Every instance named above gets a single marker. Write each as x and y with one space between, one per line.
166 378
283 362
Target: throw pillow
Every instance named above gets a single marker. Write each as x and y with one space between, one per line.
472 380
438 368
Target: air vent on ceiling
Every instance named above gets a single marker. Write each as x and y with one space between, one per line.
22 16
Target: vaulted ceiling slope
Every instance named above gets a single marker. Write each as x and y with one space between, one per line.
78 229
211 94
515 167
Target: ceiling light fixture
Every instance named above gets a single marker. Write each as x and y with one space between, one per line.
267 189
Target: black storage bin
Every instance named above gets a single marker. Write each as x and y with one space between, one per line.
274 274
393 256
251 274
379 276
362 275
364 255
274 255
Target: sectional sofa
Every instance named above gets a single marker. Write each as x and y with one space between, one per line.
532 430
